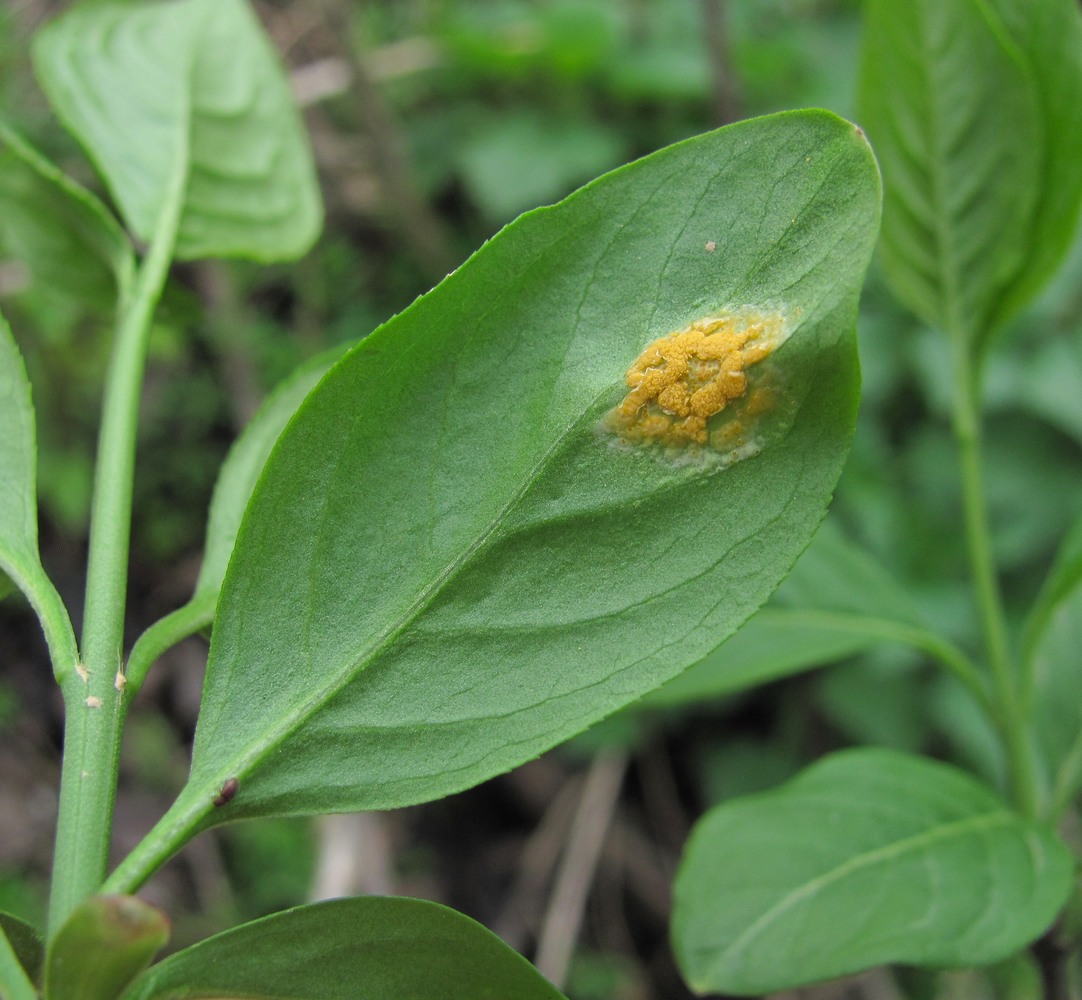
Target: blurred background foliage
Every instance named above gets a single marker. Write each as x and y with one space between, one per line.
435 123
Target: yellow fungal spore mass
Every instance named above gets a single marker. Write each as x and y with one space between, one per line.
682 380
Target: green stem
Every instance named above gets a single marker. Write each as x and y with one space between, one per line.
935 646
186 817
197 614
49 607
94 706
1009 714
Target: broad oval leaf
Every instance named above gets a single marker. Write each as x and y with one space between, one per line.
451 564
19 557
869 856
150 86
385 947
949 102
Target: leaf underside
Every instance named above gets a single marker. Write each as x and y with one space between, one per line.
974 109
869 856
449 566
385 947
148 86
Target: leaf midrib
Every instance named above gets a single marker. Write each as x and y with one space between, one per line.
291 721
243 762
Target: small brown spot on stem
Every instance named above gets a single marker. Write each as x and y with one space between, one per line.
227 791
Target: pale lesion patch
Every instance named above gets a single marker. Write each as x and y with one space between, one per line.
691 394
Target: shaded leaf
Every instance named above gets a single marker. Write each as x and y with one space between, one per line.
869 856
67 238
236 480
949 101
385 947
102 946
19 557
245 462
149 86
1046 38
26 943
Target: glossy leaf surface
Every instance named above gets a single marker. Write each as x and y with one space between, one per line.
972 108
466 570
385 947
151 89
868 857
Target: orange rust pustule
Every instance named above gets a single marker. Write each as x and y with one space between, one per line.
683 379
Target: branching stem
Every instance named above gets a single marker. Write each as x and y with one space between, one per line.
94 706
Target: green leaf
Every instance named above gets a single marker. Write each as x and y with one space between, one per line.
467 570
236 480
451 563
67 238
967 112
148 86
776 643
1048 40
838 601
105 943
24 946
19 557
867 857
245 462
393 949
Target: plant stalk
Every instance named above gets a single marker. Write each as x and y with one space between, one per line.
93 697
1005 684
